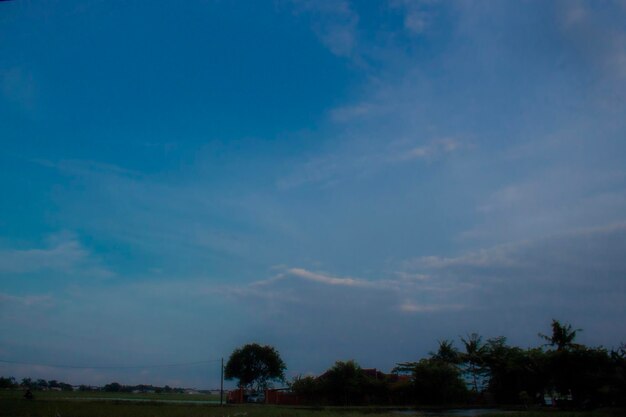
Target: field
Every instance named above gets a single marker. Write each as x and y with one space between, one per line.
89 404
101 395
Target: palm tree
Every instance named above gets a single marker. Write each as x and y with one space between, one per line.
474 357
446 352
562 336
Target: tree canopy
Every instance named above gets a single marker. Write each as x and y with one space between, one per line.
562 336
255 366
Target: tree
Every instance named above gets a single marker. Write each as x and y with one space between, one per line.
343 383
438 382
255 366
9 382
113 387
307 388
473 358
27 383
562 336
346 383
446 353
515 375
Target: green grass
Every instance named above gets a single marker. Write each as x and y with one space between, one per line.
70 404
76 395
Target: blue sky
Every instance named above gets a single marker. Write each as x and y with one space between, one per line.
342 180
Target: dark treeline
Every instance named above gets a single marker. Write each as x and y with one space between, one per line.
42 385
116 387
32 384
488 371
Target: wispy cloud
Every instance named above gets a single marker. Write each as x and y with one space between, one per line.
367 159
517 274
85 168
550 202
326 279
417 14
63 253
521 285
289 282
26 300
334 22
561 258
597 39
151 212
434 148
425 308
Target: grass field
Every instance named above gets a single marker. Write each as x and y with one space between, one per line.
78 395
79 404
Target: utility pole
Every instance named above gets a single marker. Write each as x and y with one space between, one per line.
222 385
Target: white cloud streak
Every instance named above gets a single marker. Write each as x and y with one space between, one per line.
64 253
438 284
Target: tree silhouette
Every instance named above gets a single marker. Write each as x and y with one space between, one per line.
255 366
446 353
562 336
473 357
344 382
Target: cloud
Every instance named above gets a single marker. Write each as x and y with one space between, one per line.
586 258
317 317
417 14
315 277
85 168
367 158
432 149
548 202
596 36
26 300
353 111
63 253
334 22
314 317
153 213
422 308
326 279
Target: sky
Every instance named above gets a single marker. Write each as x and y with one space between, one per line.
338 179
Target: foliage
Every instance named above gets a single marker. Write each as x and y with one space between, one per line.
7 383
436 381
345 383
573 374
562 336
515 375
447 353
307 388
255 366
473 360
